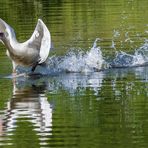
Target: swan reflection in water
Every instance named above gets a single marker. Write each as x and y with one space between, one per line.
30 104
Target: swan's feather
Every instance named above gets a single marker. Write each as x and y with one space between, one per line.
41 40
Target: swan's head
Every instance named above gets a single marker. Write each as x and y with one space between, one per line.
1 35
6 32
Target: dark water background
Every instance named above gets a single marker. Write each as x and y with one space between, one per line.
105 109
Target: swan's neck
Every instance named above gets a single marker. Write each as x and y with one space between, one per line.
11 44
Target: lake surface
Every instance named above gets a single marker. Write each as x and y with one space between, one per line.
94 93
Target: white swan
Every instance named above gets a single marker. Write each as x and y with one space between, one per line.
31 53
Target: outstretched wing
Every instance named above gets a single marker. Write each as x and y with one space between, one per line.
41 41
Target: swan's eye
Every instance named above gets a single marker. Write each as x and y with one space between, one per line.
1 34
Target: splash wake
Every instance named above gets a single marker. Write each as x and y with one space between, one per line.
93 60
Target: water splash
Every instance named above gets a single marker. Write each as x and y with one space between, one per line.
139 58
79 61
93 60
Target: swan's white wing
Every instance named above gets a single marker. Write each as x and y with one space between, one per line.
46 43
41 41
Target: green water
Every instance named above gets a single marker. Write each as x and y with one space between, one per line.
106 109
